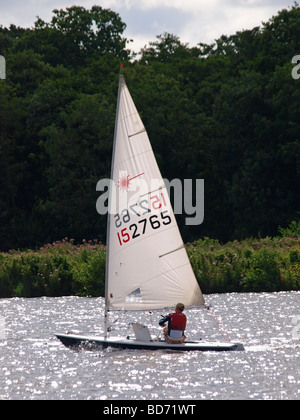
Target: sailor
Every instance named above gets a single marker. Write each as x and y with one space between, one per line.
174 333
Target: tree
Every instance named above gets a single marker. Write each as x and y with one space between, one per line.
75 35
226 112
167 48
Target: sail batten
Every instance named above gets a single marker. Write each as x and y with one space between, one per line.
142 226
135 134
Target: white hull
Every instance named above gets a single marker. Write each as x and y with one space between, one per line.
96 343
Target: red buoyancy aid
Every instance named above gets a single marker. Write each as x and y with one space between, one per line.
178 321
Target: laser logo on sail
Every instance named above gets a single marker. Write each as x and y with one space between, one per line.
124 181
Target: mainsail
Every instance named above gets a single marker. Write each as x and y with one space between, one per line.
147 264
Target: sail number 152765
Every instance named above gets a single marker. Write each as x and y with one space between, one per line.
129 230
137 229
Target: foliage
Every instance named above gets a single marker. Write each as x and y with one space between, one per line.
293 229
228 112
64 268
57 269
75 35
251 265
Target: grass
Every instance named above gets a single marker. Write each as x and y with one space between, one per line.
65 268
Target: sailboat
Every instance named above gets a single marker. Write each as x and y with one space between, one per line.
147 266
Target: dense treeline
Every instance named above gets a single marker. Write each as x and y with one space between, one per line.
228 113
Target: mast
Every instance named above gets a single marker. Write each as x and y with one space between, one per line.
106 310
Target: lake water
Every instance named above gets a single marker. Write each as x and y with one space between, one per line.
35 365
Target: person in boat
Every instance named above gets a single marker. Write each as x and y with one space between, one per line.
174 332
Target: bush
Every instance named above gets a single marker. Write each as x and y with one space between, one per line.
264 273
251 265
294 277
57 269
89 274
63 268
292 230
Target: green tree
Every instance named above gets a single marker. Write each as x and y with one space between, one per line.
226 112
76 35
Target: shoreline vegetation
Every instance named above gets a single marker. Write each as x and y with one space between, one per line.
63 268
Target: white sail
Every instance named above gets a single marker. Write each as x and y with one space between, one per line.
147 264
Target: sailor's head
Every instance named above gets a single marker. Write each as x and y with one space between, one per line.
179 307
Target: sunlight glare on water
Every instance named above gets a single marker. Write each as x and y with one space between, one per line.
35 365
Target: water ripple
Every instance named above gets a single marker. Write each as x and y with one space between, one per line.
35 365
